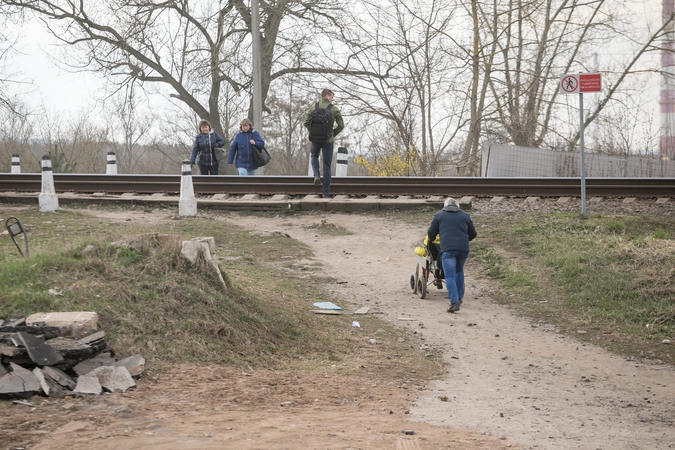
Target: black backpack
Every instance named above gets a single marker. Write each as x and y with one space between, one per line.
320 124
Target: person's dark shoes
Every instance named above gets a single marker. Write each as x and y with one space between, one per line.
453 308
317 180
326 196
439 284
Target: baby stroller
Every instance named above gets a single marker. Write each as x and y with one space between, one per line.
429 269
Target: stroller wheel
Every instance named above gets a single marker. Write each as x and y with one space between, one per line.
422 287
413 283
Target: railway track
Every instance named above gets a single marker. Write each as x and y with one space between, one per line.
351 186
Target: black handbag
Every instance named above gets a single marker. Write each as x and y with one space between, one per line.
261 156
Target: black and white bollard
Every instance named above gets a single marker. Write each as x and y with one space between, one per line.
341 166
187 205
111 166
48 200
16 164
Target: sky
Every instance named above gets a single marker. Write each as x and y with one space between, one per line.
57 89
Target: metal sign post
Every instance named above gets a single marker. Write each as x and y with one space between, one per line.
580 83
15 228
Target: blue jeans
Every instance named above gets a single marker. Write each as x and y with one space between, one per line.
327 152
208 170
244 171
453 266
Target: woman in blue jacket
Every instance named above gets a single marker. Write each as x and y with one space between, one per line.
241 150
203 149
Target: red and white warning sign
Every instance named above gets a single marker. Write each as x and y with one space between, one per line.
580 83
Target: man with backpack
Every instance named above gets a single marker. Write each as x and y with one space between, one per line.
319 121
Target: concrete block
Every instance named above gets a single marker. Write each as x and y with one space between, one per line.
39 352
114 378
596 200
88 385
76 324
50 387
279 198
249 197
373 197
134 364
192 249
128 194
497 199
662 201
88 365
59 376
532 199
19 382
629 200
210 241
220 196
563 200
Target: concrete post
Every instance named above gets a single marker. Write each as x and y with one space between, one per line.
187 205
16 164
48 200
341 166
111 166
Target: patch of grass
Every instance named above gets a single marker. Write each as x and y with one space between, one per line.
153 302
607 275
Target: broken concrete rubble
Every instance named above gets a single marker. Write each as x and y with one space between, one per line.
38 360
77 324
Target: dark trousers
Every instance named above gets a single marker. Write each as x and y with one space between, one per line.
326 150
208 170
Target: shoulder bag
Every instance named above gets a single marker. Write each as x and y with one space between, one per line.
261 156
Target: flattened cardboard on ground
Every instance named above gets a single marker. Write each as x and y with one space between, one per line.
19 383
134 364
114 379
39 352
86 366
76 324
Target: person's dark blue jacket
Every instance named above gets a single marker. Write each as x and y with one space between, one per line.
203 147
455 227
241 149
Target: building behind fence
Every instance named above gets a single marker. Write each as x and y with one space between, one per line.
500 160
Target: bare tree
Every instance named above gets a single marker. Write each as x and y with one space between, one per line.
537 41
79 144
402 41
188 50
129 129
286 135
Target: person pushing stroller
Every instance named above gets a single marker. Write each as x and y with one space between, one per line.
456 229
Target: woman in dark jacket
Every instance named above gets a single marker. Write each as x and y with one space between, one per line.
203 149
241 150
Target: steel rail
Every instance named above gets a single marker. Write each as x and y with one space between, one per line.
357 186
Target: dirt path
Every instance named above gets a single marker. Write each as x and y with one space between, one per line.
510 383
507 377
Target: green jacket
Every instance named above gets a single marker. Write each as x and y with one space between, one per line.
335 112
